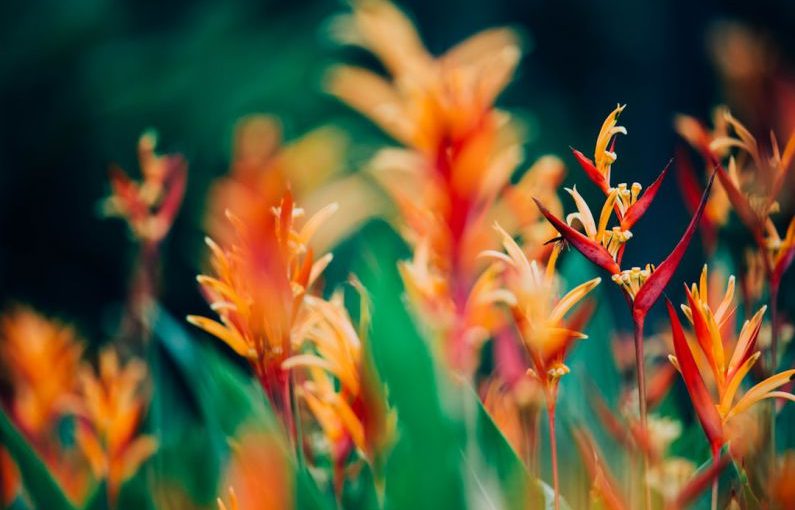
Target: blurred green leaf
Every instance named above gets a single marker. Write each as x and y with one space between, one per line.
42 488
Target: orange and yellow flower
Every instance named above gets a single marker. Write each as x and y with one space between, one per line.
532 294
258 289
711 320
110 406
452 179
341 388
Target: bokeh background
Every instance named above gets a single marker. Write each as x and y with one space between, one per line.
80 81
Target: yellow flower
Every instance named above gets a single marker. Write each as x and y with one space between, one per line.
452 178
605 156
110 406
611 239
532 294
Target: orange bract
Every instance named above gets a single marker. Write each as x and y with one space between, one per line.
532 294
341 387
110 406
452 179
42 357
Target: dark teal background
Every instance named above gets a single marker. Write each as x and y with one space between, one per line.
80 80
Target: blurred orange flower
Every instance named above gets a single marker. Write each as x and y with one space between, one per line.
258 291
109 406
149 207
259 474
452 179
342 389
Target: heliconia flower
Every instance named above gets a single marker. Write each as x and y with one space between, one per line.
42 357
149 207
532 295
451 179
643 286
341 388
258 288
752 180
727 369
110 406
264 166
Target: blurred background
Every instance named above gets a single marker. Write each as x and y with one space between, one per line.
81 80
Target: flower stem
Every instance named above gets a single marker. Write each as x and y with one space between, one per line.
773 326
715 457
641 373
553 442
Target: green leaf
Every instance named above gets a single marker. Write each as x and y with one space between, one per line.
42 488
423 470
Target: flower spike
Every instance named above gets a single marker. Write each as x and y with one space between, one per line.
659 279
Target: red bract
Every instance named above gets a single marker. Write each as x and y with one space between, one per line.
639 208
699 395
592 250
591 171
656 283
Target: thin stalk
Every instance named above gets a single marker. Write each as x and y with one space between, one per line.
715 457
553 442
774 286
641 373
773 326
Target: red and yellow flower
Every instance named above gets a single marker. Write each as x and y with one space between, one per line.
723 369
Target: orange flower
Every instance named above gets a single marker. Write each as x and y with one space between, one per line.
110 406
151 206
532 294
342 389
258 291
727 369
42 357
264 166
453 178
259 474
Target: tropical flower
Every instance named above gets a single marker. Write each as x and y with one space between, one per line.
604 245
41 358
258 288
711 320
341 388
109 406
531 293
539 312
264 166
149 207
452 179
